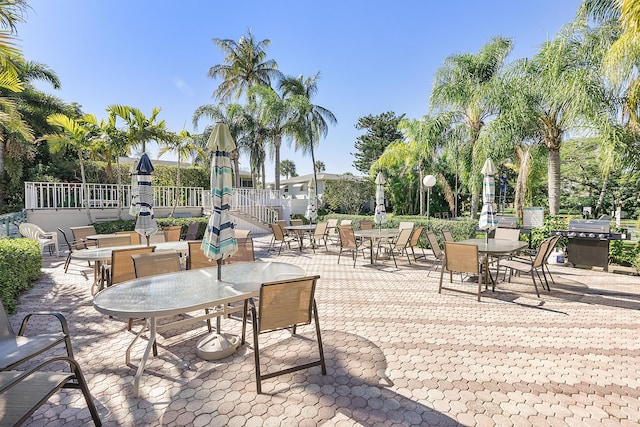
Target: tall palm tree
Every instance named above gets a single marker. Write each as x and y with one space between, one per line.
313 120
319 166
278 115
76 135
185 146
564 91
465 85
245 65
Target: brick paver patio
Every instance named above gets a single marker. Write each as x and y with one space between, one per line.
398 353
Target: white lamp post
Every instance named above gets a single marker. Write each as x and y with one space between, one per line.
429 181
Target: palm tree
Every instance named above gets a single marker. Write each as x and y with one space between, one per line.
245 65
141 129
278 117
184 145
563 90
76 135
465 85
288 169
319 166
313 120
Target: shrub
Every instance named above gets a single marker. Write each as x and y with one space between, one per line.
20 266
130 224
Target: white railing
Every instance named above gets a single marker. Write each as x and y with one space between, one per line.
59 195
258 204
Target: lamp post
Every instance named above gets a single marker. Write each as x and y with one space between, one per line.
429 181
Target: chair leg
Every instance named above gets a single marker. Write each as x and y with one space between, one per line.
67 262
256 349
533 277
320 348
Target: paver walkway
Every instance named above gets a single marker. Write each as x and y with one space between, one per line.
398 353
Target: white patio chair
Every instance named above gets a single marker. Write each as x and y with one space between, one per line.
44 238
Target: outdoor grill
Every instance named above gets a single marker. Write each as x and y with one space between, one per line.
589 242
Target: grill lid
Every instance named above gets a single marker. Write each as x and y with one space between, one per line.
589 225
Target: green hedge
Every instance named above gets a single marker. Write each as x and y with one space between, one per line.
130 224
20 266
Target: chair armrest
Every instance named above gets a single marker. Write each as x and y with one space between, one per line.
59 316
24 374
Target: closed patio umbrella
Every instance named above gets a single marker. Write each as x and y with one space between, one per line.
488 220
219 239
145 223
134 207
380 215
312 212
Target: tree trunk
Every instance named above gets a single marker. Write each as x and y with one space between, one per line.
2 181
119 187
521 182
276 147
421 189
554 181
603 189
315 174
85 187
175 199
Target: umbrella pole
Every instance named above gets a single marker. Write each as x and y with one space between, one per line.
219 262
147 240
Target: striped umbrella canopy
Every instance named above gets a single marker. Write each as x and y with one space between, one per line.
488 220
145 223
134 207
219 240
312 211
380 215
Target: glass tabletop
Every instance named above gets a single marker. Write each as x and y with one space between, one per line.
93 254
173 293
383 232
496 246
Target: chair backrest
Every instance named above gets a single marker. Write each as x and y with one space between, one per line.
278 233
320 231
403 238
245 252
433 243
282 223
366 225
192 231
81 233
135 237
297 222
116 240
156 263
6 331
30 231
172 233
332 223
197 258
507 233
347 237
159 237
405 224
415 236
286 303
543 251
461 257
446 234
241 234
122 268
345 222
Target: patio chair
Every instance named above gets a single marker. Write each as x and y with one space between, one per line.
401 245
349 243
172 233
346 222
196 258
192 231
461 258
80 235
158 237
112 241
447 236
505 234
245 252
154 263
122 268
320 233
438 254
18 348
241 234
22 393
73 246
135 237
283 304
366 225
534 266
415 241
45 239
405 224
279 236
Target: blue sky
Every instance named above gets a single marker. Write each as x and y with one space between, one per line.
373 56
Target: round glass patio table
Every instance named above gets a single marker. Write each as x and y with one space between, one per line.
492 247
301 230
164 295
